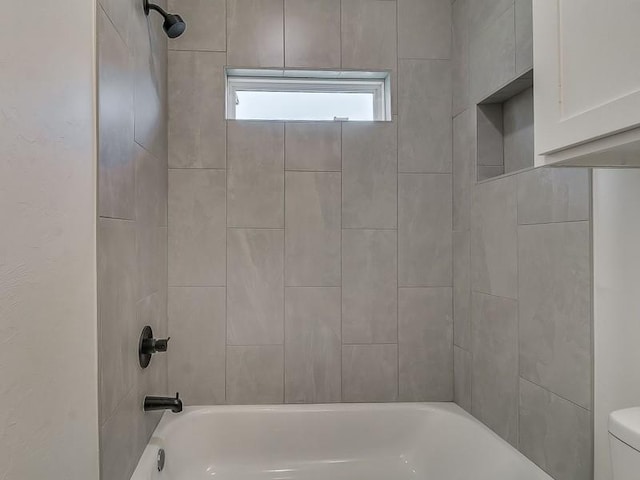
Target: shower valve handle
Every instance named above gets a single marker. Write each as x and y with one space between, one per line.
148 345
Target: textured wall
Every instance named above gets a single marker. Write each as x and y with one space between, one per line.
48 352
132 225
311 262
522 265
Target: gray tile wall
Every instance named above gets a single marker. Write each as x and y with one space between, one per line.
132 226
311 262
521 264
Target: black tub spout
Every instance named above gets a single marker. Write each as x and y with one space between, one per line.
163 403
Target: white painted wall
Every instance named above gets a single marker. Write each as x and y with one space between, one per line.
616 231
48 343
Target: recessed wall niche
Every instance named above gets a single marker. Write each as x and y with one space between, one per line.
505 129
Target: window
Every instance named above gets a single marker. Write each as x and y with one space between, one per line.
307 95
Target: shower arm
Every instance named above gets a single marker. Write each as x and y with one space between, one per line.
152 6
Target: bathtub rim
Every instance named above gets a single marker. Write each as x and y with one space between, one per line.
169 420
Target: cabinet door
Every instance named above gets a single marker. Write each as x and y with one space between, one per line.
586 71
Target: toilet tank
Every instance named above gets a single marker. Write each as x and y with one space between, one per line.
624 442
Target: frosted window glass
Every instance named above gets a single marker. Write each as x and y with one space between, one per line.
265 105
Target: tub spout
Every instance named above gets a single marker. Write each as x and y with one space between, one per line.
163 403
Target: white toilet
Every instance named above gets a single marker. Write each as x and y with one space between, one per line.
624 443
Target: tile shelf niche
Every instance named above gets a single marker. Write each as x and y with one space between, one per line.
505 129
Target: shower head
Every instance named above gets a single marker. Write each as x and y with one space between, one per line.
173 25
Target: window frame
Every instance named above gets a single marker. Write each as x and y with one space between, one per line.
258 80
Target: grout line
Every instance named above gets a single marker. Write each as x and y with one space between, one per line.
311 171
397 251
341 49
113 25
226 271
493 295
131 220
424 173
517 322
312 286
196 169
424 287
555 394
254 228
552 223
197 50
341 232
370 228
453 200
197 286
226 27
284 256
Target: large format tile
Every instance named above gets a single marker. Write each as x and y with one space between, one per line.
196 228
424 113
555 308
116 271
369 34
312 33
462 368
369 373
425 344
151 187
255 374
464 167
495 364
116 156
460 56
494 238
492 55
206 25
197 327
121 440
150 89
369 173
524 35
197 127
517 132
255 287
461 290
424 230
369 38
312 345
313 146
555 433
121 13
313 229
256 174
548 195
424 29
369 286
485 13
255 33
151 259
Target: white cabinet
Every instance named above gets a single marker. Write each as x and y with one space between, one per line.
587 82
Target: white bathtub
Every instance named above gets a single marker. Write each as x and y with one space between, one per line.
430 441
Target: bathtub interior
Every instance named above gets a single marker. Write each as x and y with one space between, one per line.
345 442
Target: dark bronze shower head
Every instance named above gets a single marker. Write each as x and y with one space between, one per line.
173 25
